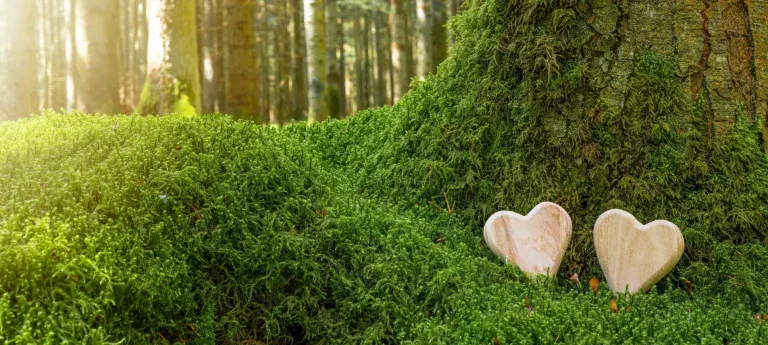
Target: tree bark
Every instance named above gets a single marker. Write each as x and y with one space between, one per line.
284 65
299 67
173 78
98 66
423 54
332 34
439 34
399 49
242 83
315 29
22 98
382 58
211 67
359 81
721 47
59 59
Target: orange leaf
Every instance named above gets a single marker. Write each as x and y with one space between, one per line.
594 284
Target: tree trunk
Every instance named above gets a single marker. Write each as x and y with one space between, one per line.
299 67
332 29
399 49
98 66
423 33
721 47
210 21
59 59
283 64
343 109
22 94
173 78
315 26
359 75
382 58
439 34
367 70
242 83
263 61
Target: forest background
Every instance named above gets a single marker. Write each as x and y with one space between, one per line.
261 60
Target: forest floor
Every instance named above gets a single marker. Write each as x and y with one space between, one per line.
207 230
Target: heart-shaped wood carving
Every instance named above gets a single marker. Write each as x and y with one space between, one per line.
535 242
635 256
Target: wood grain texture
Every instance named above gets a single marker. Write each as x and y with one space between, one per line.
634 256
535 242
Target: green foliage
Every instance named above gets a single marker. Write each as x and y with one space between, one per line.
153 230
206 230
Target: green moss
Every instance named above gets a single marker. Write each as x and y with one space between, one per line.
208 230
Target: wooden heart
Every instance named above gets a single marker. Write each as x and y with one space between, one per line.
535 242
635 256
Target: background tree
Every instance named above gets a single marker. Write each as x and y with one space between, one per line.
173 78
242 81
98 67
315 30
252 57
22 98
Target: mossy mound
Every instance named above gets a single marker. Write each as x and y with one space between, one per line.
207 230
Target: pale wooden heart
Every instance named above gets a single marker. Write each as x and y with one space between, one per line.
535 242
635 256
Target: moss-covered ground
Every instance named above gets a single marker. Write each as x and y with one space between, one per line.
133 230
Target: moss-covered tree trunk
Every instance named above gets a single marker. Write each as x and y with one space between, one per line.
173 78
721 45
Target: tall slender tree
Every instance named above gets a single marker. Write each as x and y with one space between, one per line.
423 53
242 82
439 33
333 28
315 29
22 98
381 97
399 49
210 21
283 64
299 65
173 78
98 57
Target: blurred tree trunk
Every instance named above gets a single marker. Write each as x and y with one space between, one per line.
140 39
382 58
58 98
423 36
22 97
357 33
262 58
367 70
299 66
211 67
284 64
242 86
332 29
344 110
315 27
439 34
98 60
173 78
399 49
